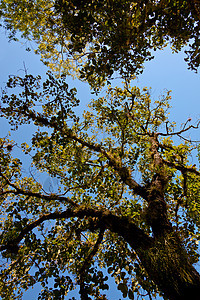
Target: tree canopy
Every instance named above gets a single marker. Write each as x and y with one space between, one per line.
94 39
126 203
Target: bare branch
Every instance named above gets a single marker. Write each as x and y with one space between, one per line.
180 131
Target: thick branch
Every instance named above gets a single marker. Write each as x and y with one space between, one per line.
121 225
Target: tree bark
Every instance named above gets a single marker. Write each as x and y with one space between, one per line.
164 259
169 266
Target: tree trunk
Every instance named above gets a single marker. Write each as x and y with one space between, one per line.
164 258
166 261
168 265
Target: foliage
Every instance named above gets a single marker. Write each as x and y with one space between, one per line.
94 39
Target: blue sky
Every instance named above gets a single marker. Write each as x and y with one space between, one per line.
166 71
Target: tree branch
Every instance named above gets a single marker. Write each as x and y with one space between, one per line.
83 287
93 251
178 133
122 225
19 191
123 171
182 168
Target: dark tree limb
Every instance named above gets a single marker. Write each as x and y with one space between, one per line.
135 236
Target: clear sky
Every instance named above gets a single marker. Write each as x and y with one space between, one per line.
166 71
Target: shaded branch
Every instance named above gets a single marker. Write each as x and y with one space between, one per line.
122 225
93 251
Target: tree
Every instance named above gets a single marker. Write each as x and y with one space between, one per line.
100 215
127 199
